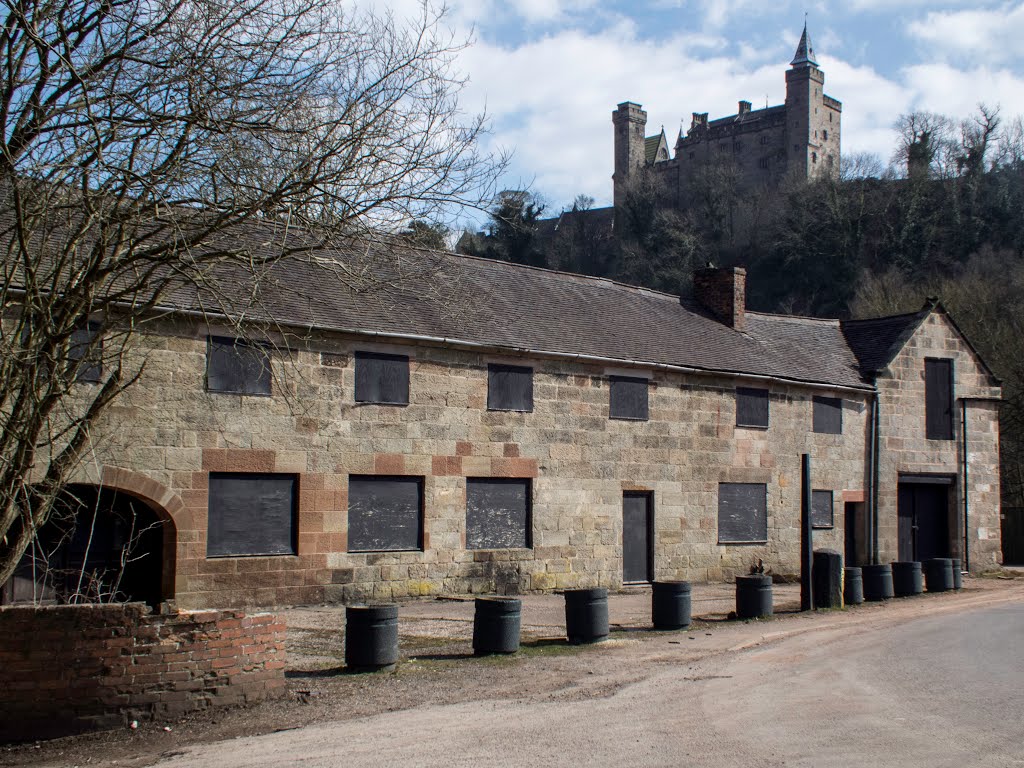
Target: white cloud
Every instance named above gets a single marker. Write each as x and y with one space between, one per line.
990 36
950 91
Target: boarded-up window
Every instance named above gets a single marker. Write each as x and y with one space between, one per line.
628 398
85 355
742 513
509 388
828 415
751 407
251 514
497 513
385 513
237 366
821 509
938 396
382 378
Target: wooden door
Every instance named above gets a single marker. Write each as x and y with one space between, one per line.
637 536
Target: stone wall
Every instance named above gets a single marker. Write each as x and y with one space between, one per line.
168 434
904 449
68 669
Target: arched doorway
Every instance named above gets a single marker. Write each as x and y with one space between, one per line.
100 545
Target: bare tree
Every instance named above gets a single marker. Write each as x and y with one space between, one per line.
156 153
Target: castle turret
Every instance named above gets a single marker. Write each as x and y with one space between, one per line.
629 121
812 118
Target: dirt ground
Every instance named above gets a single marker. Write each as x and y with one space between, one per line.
437 665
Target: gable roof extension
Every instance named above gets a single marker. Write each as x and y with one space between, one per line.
876 341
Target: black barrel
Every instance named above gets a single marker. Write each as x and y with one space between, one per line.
670 604
907 579
938 574
753 596
371 637
496 625
853 586
827 578
958 576
586 615
877 581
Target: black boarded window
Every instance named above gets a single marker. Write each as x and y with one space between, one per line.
628 398
751 407
237 366
821 509
509 388
385 514
382 378
742 513
828 415
251 514
85 354
938 396
497 513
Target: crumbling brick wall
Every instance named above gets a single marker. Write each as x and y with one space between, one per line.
67 669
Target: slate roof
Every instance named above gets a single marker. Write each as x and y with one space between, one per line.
516 308
748 117
876 341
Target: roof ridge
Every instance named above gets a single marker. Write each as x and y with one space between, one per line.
780 316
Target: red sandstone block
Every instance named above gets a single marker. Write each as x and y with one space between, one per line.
389 463
511 450
463 448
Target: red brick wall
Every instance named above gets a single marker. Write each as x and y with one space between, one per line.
66 669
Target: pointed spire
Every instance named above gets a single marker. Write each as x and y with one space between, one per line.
804 52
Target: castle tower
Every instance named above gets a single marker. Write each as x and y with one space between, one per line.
812 118
629 122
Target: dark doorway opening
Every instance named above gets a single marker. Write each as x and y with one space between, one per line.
923 519
99 546
637 536
855 533
1012 524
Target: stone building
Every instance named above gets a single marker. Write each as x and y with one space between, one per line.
755 148
493 427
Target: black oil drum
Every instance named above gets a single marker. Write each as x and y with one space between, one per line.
753 596
958 576
853 586
938 574
496 623
670 604
586 615
877 581
907 579
827 578
371 637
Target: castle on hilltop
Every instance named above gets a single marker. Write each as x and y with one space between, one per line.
800 138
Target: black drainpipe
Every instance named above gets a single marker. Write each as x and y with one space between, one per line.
963 450
873 461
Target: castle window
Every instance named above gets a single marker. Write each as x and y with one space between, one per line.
497 513
824 135
737 146
509 388
628 398
751 407
237 366
763 162
742 513
830 117
382 378
814 157
85 354
251 514
821 509
764 140
693 155
828 415
385 514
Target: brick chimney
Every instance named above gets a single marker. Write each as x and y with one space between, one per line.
723 292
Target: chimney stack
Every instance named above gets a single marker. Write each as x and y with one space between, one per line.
744 107
723 292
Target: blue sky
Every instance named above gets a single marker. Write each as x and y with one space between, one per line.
550 72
